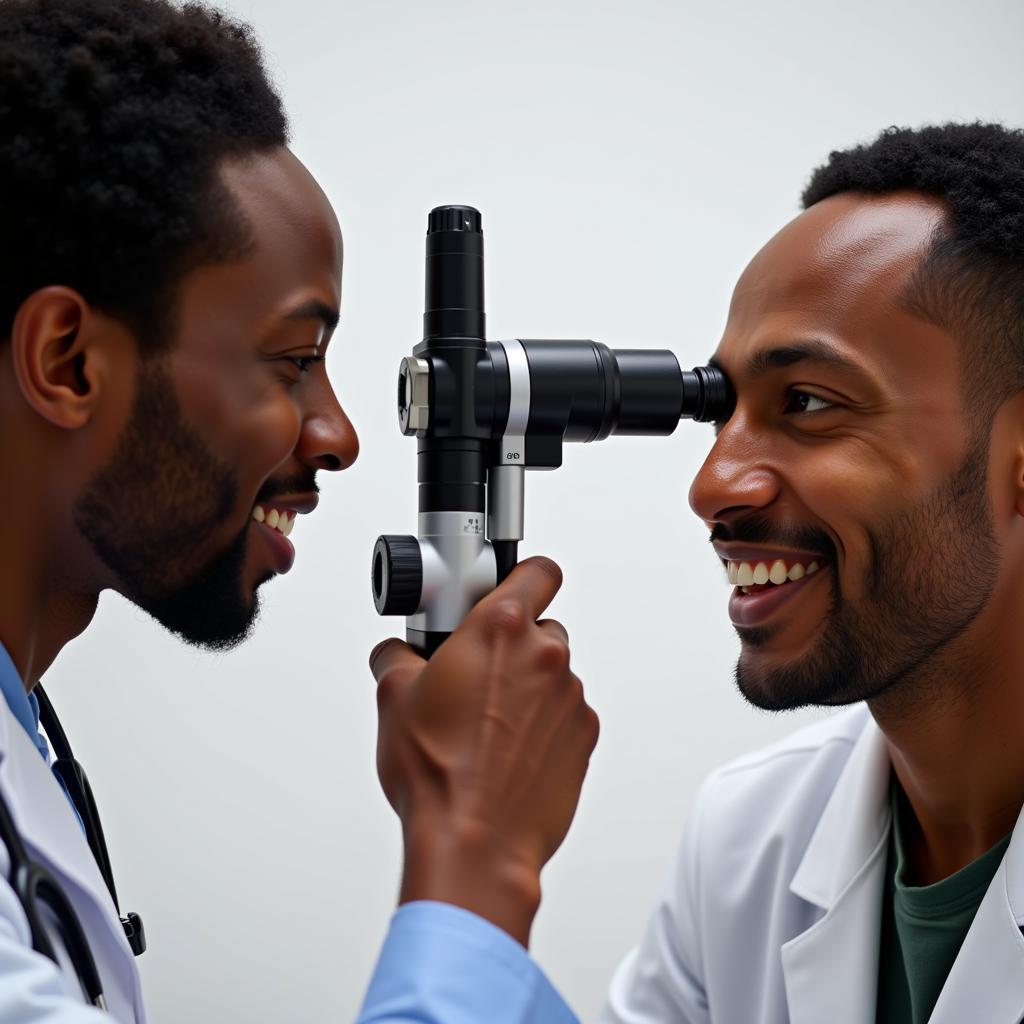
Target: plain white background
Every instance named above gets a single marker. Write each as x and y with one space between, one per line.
628 159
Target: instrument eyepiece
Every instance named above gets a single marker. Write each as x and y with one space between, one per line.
708 396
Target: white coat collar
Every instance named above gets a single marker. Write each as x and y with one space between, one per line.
853 825
987 978
831 969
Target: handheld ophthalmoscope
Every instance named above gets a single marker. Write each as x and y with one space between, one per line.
485 412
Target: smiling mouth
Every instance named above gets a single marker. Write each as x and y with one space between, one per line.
753 577
277 519
764 587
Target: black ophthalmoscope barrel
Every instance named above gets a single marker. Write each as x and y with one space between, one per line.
652 388
453 455
454 300
452 466
586 391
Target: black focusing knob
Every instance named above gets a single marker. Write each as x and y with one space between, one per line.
397 575
454 218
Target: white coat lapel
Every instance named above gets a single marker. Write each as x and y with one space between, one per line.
987 979
831 969
46 823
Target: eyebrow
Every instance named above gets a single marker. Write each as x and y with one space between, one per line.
316 310
811 351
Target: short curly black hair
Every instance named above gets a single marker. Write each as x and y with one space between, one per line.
971 280
114 115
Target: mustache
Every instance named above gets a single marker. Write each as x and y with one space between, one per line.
760 530
303 482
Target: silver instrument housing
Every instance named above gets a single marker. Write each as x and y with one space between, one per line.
458 569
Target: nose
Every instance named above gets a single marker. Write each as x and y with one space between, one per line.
735 479
328 440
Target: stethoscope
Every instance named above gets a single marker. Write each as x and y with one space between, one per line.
35 886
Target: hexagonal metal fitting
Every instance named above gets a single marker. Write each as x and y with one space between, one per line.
413 395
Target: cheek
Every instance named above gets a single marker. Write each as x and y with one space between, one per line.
267 435
246 418
857 492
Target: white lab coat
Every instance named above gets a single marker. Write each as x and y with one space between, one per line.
31 987
774 910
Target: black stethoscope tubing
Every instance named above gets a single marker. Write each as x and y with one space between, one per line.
35 886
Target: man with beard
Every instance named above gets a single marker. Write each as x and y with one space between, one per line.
171 278
866 499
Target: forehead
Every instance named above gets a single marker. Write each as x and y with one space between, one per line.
282 201
837 273
295 256
287 210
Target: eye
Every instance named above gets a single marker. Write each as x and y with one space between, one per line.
798 401
304 363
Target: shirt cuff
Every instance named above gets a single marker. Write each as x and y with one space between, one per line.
444 965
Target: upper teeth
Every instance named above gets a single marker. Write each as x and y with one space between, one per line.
279 519
745 574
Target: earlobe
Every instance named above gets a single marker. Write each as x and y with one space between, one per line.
51 355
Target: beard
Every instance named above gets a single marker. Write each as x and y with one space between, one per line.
932 568
145 513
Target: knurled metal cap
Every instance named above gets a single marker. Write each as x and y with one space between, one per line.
454 218
396 575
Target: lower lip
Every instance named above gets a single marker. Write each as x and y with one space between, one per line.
756 609
282 553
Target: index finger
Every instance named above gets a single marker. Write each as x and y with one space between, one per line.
534 582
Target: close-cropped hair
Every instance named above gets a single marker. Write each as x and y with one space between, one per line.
114 116
971 279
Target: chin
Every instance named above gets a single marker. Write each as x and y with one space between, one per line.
220 634
786 684
209 619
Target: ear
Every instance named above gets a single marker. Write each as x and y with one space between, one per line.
56 363
1018 480
1013 416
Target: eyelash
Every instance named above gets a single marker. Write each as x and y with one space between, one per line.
304 363
791 392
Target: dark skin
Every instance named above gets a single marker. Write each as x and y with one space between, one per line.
865 451
253 398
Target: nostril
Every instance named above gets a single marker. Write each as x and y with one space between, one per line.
330 462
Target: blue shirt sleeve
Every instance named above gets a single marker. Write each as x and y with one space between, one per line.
444 965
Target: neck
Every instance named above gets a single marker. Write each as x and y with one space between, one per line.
41 608
36 620
956 738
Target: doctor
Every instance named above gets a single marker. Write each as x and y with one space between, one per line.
866 499
170 280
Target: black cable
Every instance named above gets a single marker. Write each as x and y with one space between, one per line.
506 557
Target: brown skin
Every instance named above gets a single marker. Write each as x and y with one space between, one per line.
68 378
889 437
486 777
67 385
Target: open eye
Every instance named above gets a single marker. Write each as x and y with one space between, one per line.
798 401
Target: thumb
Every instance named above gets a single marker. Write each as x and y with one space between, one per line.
534 582
395 656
